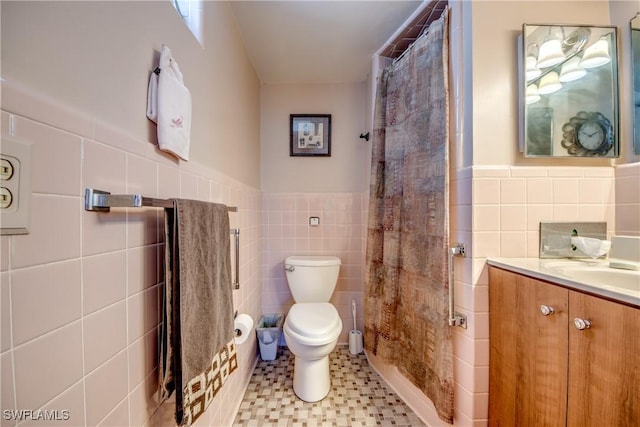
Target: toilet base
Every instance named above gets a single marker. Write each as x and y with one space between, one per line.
311 379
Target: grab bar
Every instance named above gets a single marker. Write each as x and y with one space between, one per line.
103 201
236 238
455 319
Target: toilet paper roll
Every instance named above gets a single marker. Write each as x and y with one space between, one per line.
243 325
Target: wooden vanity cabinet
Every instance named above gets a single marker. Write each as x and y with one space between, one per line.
544 371
528 364
604 364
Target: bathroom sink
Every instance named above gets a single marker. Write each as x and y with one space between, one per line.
583 274
604 276
570 263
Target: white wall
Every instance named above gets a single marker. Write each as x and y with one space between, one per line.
95 57
346 169
496 26
628 171
621 14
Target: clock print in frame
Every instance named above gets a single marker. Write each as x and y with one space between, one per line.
588 134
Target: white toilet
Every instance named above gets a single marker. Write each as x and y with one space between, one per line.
312 326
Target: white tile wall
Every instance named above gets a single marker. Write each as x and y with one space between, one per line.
52 291
81 293
627 196
505 222
341 233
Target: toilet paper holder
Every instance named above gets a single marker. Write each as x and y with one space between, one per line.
237 332
243 326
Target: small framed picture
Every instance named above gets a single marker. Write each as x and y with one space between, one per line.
310 135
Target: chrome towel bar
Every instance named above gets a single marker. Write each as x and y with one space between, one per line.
103 201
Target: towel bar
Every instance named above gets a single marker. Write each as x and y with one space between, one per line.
103 201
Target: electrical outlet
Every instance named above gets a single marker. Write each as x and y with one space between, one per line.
314 221
6 169
5 198
15 186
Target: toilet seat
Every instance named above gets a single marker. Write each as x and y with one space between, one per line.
313 323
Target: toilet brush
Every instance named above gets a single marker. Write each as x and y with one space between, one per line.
355 336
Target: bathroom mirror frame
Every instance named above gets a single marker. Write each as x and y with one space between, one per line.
634 25
569 91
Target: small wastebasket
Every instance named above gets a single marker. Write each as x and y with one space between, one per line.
268 330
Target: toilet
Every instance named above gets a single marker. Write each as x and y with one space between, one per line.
312 326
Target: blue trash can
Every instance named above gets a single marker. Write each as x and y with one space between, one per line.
269 329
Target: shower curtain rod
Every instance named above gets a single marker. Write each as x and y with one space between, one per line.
423 33
102 201
412 27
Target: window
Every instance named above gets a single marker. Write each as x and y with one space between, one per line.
191 12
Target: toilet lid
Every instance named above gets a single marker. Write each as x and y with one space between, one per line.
314 323
312 260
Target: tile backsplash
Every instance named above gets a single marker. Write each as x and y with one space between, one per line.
628 199
508 204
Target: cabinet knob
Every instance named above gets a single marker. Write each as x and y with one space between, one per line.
581 324
546 310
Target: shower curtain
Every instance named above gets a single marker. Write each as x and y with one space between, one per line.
406 290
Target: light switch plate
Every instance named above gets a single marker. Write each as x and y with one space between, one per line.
15 185
314 221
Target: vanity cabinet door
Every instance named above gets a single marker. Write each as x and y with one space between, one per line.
528 351
604 363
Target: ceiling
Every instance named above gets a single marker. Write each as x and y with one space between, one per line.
317 41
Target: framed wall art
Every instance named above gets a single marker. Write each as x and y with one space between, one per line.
310 135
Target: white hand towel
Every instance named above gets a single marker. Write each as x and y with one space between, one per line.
172 110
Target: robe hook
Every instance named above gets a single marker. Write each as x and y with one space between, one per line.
364 136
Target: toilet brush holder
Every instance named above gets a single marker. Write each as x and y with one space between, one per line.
355 342
355 336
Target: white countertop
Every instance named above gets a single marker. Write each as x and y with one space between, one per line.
547 269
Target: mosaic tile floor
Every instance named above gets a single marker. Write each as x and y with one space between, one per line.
358 396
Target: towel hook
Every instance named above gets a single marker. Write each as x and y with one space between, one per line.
364 136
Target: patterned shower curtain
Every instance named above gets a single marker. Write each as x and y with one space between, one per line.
406 290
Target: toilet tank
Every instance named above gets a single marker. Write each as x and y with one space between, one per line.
312 278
